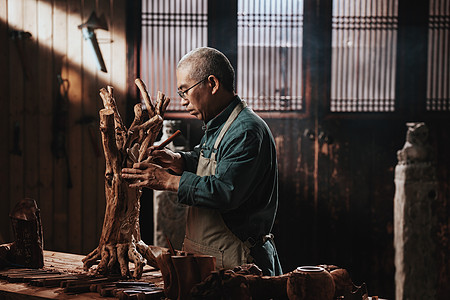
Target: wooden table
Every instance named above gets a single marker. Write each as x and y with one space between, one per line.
65 263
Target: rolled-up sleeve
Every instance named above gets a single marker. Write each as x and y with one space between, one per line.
191 159
188 187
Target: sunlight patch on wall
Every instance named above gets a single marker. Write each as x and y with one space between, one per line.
54 27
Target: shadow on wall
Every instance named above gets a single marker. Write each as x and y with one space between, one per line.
51 125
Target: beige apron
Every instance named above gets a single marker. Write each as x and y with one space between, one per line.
206 232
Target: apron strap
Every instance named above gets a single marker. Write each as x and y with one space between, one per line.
230 120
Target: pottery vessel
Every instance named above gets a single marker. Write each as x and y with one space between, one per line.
169 275
310 283
206 264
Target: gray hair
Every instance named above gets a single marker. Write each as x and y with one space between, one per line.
205 61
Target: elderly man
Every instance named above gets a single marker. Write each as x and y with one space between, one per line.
230 180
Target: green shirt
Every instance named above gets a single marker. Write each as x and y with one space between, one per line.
245 185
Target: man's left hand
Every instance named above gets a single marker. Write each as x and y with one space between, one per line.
152 176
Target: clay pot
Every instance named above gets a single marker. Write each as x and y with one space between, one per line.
188 274
169 275
206 264
342 282
310 283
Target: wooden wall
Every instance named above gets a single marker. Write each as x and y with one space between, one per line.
71 216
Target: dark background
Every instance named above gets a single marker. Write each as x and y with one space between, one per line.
336 193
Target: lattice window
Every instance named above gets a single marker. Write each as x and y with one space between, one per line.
269 54
170 29
438 82
364 41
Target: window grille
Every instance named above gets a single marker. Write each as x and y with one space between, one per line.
170 29
438 77
269 54
364 41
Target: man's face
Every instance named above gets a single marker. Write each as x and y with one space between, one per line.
196 99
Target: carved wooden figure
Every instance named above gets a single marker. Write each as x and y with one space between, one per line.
120 241
27 249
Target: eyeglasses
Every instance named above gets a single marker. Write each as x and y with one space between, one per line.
182 94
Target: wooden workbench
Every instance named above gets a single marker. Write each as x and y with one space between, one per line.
65 263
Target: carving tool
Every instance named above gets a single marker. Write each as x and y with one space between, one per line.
171 249
166 142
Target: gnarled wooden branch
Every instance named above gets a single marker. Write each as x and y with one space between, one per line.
146 97
109 102
120 242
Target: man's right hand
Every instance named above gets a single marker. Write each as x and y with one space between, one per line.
166 159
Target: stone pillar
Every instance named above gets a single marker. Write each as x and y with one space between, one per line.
414 219
169 217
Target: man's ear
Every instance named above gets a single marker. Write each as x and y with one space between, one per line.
214 83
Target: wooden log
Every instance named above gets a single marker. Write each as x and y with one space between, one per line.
51 281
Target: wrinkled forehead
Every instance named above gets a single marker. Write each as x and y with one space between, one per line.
186 65
183 77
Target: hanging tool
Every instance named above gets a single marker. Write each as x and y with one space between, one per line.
88 30
60 117
21 36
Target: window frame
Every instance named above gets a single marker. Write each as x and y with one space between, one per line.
411 69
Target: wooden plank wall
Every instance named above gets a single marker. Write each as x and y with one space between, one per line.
72 216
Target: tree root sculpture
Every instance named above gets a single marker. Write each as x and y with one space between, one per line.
120 241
